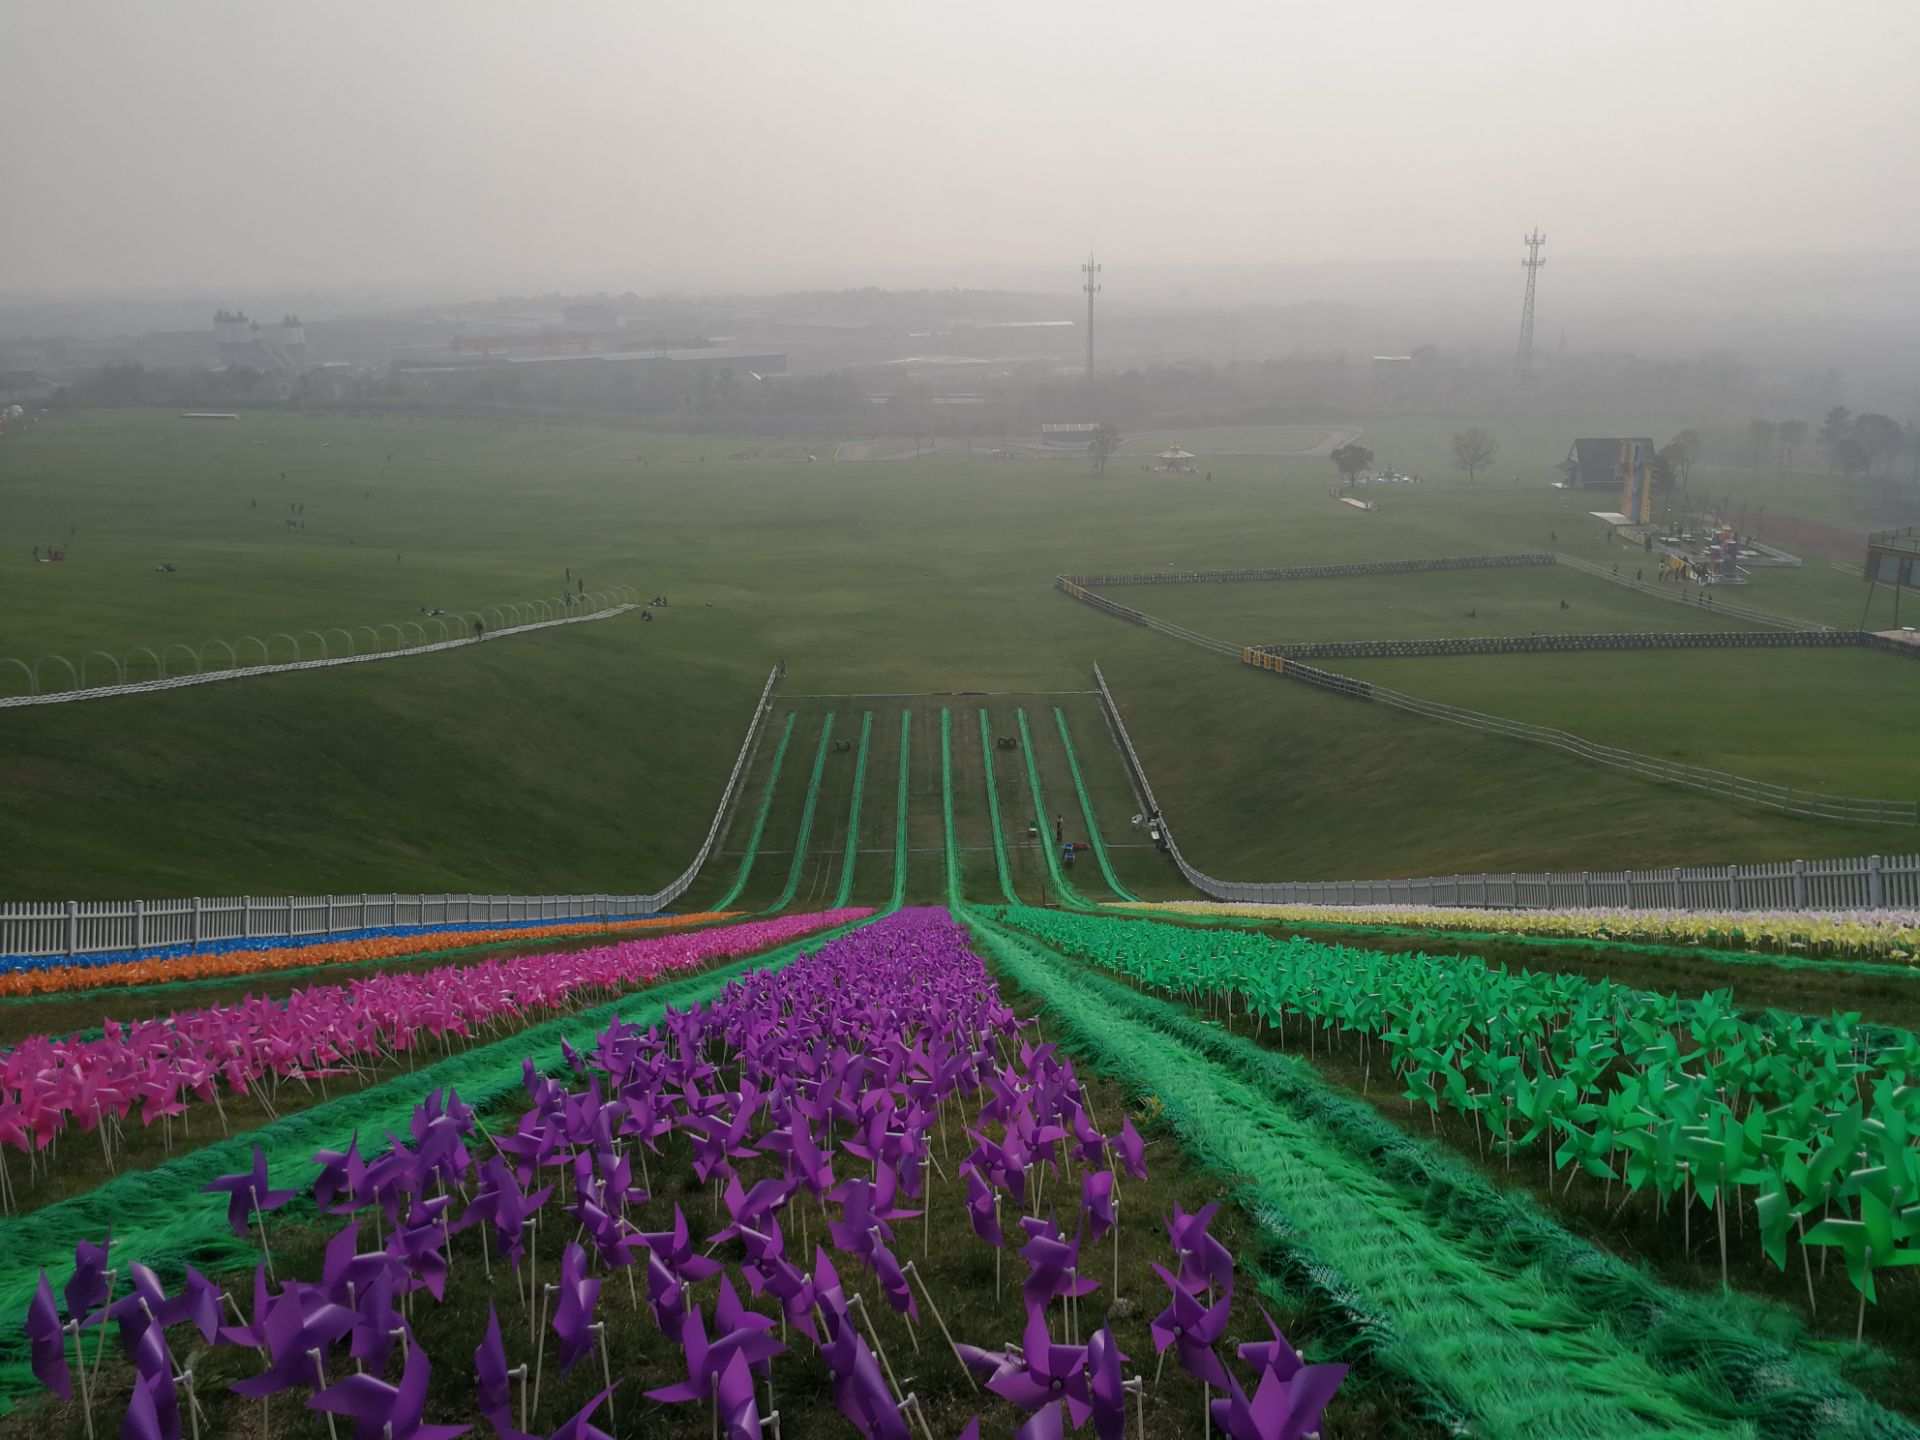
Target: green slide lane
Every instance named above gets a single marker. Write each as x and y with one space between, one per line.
759 822
900 814
993 810
1086 809
853 814
805 833
946 806
1068 895
160 1217
1514 1326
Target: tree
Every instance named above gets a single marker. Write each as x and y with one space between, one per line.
1660 472
1473 451
1880 436
1762 435
1793 434
1682 451
1350 459
1835 431
1106 440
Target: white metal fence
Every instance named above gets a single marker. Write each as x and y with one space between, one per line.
1813 804
1851 883
511 619
81 927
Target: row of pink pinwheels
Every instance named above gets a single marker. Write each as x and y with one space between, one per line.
48 1084
854 1055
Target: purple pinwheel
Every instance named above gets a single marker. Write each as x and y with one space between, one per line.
153 1410
982 1213
298 1321
416 1247
248 1192
380 1411
1052 1265
1045 1372
1205 1264
1096 1203
675 1250
573 1314
1192 1327
1280 1409
88 1287
744 1335
1275 1354
1131 1150
1045 1423
148 1303
48 1339
1106 1386
493 1391
581 1426
340 1188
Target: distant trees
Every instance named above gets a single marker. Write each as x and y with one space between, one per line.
1350 459
1660 472
1791 435
1106 440
1681 452
1856 444
1473 451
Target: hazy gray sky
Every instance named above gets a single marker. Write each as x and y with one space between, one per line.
472 146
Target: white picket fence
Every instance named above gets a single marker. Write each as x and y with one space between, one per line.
248 672
1866 882
82 927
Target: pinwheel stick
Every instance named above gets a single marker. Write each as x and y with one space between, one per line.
80 1364
320 1369
873 1332
940 1320
606 1369
1139 1389
100 1348
185 1378
253 1192
540 1352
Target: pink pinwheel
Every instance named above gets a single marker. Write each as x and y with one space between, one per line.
247 1193
1192 1328
573 1314
1045 1372
48 1341
380 1411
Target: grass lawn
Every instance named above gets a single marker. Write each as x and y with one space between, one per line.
590 758
1520 601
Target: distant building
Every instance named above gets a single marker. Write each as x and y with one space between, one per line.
246 344
1624 465
1077 435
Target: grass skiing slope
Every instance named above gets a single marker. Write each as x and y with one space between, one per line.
850 839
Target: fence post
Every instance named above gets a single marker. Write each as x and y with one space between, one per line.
140 924
1799 884
1733 887
199 923
73 926
1673 879
1586 887
246 917
1876 885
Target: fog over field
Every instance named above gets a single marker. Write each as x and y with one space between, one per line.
1741 165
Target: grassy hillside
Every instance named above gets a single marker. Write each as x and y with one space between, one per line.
590 758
